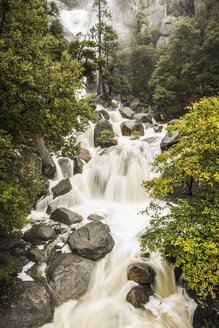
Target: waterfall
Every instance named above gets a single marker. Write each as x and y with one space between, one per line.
110 186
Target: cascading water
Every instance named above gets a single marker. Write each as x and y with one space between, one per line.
110 186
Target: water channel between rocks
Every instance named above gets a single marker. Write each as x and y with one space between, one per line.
110 186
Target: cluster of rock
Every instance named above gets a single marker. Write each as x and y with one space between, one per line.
144 275
67 275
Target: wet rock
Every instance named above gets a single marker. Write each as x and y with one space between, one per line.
106 143
65 216
66 166
84 155
36 273
48 164
134 104
150 140
95 217
69 276
128 127
126 112
148 125
35 255
31 306
170 140
157 128
78 165
36 162
39 233
92 241
104 114
143 117
62 188
141 273
139 295
101 126
7 259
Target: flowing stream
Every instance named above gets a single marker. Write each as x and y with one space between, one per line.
110 185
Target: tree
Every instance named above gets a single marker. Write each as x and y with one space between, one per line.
38 98
103 15
189 234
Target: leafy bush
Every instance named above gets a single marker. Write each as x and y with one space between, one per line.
107 134
135 134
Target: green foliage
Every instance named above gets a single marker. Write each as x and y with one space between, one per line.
107 134
39 82
135 134
190 232
72 3
56 28
188 66
7 271
210 324
54 9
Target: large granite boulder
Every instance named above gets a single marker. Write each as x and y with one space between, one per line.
139 295
143 117
36 255
64 215
101 126
109 142
65 164
62 188
104 114
84 155
48 164
170 140
31 306
69 276
92 241
128 127
141 273
126 112
39 233
95 217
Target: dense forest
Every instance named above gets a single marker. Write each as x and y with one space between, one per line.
40 76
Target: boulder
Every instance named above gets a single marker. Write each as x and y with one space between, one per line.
69 276
139 295
109 142
101 126
78 165
157 128
31 306
64 215
35 255
84 155
65 164
143 117
126 112
141 273
104 114
62 188
95 217
39 233
134 103
150 140
170 140
48 164
36 273
92 241
128 127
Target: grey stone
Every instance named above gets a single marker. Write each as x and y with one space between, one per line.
141 273
31 306
126 112
109 142
128 127
144 118
39 233
48 164
35 255
104 114
170 140
101 126
66 166
78 165
150 140
69 276
84 155
157 128
65 216
139 295
92 241
62 188
35 272
95 217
